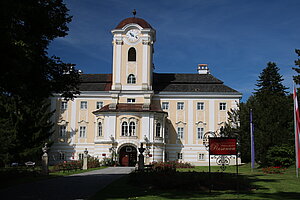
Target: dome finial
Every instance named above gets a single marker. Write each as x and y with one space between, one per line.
134 12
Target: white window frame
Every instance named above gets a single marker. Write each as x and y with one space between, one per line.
99 104
131 129
200 133
131 79
158 130
80 156
64 105
222 106
179 156
130 100
180 132
83 105
100 129
82 131
62 130
124 129
165 105
201 156
61 156
180 105
200 105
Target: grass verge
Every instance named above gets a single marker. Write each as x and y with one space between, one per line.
263 186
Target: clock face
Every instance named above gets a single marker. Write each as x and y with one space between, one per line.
132 35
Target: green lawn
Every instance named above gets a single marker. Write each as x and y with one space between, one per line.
13 176
264 186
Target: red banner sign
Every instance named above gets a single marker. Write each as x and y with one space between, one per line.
222 146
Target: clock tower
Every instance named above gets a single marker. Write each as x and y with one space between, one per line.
133 41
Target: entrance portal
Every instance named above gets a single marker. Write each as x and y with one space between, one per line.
128 156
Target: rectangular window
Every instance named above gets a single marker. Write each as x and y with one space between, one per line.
180 132
99 105
80 156
62 131
165 105
200 133
83 105
82 131
179 156
222 106
64 105
180 105
166 156
200 156
62 156
130 100
200 106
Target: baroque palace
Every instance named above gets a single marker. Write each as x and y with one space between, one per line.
169 113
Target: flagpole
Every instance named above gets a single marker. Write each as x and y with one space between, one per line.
296 130
252 142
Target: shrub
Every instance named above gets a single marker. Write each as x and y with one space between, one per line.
76 164
68 165
106 162
169 166
93 162
273 170
282 156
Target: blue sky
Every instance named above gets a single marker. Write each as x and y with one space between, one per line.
236 38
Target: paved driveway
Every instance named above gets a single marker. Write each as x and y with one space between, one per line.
77 186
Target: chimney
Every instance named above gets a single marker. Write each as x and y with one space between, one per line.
202 69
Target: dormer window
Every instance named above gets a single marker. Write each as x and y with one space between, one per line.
131 79
132 54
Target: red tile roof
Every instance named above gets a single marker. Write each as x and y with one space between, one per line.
134 20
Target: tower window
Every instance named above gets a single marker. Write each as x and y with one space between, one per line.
131 79
132 54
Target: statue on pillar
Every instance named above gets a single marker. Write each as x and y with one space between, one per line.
141 158
85 159
45 160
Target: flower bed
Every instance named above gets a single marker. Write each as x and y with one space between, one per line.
76 164
273 170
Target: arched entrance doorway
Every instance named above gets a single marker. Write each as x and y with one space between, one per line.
128 156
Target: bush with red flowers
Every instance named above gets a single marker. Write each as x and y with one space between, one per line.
273 170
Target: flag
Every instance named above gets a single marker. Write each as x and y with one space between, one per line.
252 141
297 130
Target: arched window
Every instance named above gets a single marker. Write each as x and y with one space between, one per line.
99 129
131 54
158 126
124 129
131 79
131 129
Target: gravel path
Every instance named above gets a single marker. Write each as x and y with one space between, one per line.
77 186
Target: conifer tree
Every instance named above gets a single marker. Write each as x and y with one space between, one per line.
272 109
297 69
30 76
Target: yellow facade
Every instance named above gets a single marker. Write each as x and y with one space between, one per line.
132 109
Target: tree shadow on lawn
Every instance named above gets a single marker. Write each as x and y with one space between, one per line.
192 185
